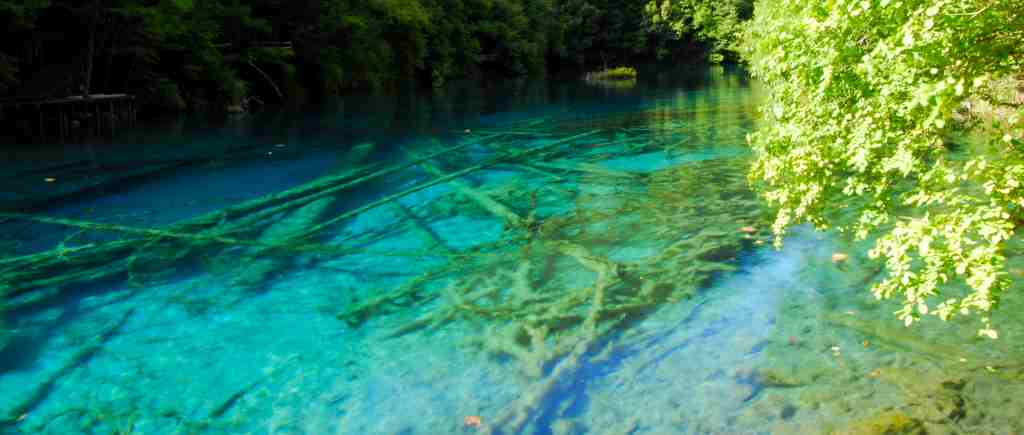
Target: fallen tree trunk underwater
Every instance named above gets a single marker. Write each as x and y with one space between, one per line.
512 289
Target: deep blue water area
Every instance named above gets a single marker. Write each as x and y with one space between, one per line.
535 257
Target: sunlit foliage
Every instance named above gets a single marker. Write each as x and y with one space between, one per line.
715 23
617 73
870 108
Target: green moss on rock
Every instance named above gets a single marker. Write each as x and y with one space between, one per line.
886 423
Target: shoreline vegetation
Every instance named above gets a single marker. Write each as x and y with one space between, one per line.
910 138
224 57
621 78
611 74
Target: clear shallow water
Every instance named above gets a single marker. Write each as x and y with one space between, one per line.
578 267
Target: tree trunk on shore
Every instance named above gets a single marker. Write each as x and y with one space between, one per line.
94 18
1020 89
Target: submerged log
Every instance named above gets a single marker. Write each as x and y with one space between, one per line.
896 336
5 334
519 413
448 177
79 359
422 228
35 271
261 263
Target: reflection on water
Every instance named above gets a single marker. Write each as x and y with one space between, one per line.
535 258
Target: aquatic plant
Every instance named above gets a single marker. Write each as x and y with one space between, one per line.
622 85
611 74
895 423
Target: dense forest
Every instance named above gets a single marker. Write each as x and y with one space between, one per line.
218 54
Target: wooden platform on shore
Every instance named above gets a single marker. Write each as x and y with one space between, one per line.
102 113
93 98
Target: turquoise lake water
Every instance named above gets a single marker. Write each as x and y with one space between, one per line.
534 257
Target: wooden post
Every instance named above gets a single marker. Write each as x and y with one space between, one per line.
71 119
42 133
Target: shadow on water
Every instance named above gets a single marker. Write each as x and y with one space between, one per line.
32 334
571 398
680 340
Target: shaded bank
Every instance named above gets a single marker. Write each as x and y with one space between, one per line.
223 55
